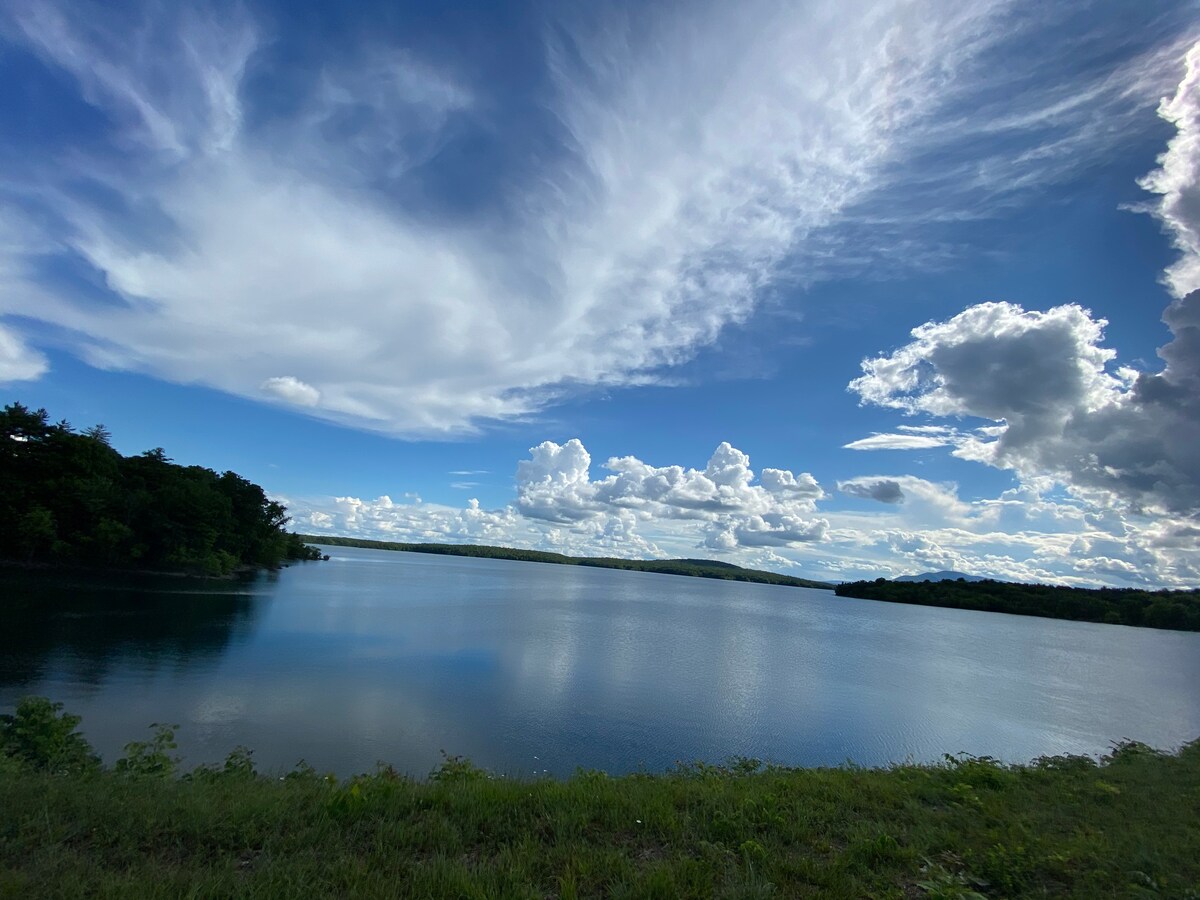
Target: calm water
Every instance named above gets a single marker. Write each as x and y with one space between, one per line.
526 667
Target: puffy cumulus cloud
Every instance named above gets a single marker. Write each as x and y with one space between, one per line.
1035 365
784 483
775 529
311 220
292 390
18 361
636 511
1060 412
555 485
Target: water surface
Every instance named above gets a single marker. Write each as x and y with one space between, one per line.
528 667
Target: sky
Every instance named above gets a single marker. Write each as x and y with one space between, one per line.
837 289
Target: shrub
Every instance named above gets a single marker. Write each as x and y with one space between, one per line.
150 758
43 737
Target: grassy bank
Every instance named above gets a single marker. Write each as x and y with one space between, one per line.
967 828
698 568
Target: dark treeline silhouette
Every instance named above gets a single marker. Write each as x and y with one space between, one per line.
700 568
68 498
1115 606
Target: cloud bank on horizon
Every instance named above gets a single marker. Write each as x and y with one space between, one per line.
284 224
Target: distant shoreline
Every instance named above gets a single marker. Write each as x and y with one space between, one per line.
1174 610
696 568
73 569
59 568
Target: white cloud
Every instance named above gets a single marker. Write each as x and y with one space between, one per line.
293 390
776 529
554 483
1124 444
1060 413
897 442
1178 179
18 361
637 511
190 106
885 490
731 511
706 153
720 511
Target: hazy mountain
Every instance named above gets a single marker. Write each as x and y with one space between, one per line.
940 576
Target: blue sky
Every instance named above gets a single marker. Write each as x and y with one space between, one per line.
837 289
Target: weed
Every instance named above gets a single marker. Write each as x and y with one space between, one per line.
150 758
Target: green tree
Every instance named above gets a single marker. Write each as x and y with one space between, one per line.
72 498
42 736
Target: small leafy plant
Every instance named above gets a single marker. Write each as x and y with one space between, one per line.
150 758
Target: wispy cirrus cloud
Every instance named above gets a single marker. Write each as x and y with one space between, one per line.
691 161
18 361
897 442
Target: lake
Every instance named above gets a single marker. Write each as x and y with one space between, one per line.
532 668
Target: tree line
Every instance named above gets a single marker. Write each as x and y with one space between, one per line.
1115 606
69 498
698 568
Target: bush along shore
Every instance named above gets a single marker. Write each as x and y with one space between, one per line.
969 827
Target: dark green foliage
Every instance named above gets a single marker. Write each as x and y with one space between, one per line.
970 827
40 735
701 568
150 758
71 499
1114 606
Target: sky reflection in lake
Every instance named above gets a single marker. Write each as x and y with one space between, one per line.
527 667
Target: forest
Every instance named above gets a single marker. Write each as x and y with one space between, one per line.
1115 606
67 498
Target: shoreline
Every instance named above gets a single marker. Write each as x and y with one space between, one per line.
688 568
240 573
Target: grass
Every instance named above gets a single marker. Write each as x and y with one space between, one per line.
967 828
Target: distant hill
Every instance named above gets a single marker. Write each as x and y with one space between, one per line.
700 568
940 576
